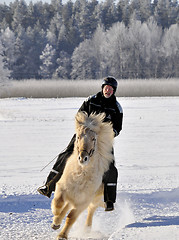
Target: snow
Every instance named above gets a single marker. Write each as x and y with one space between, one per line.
34 131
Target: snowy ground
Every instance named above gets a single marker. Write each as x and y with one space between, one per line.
34 131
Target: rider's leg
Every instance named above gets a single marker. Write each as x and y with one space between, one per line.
57 170
110 187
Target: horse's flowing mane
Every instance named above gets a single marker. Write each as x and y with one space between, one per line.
104 131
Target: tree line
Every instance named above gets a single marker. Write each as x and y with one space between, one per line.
90 39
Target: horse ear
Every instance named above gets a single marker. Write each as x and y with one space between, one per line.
80 117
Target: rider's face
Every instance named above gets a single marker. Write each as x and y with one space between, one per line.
107 91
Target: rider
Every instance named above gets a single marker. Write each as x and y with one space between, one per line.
104 101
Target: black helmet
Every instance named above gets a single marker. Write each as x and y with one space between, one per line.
110 81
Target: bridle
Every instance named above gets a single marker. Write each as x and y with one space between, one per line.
91 152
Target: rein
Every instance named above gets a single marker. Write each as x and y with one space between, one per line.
49 163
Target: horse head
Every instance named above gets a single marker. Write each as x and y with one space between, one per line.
87 128
92 133
85 144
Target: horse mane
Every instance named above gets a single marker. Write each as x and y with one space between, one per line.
104 131
93 122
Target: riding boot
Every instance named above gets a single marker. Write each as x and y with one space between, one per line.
49 186
51 181
110 195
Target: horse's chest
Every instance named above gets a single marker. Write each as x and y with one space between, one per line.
83 184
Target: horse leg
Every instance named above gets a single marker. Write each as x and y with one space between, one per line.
91 211
97 202
58 218
57 207
71 218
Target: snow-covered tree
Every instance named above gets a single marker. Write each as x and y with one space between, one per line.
153 50
36 42
64 66
130 45
115 51
21 47
20 14
84 61
170 47
48 62
108 13
162 13
87 59
8 39
124 10
4 73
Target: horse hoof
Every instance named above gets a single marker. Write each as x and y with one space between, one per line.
61 238
55 227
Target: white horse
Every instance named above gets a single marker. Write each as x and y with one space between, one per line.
81 183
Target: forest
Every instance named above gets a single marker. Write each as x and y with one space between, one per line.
83 39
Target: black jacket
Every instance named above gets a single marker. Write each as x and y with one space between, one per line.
113 110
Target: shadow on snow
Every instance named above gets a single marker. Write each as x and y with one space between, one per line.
155 200
26 203
156 221
23 203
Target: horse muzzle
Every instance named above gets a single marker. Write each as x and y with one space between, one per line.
83 157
